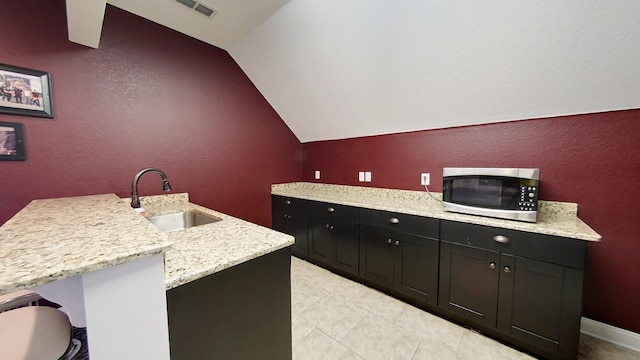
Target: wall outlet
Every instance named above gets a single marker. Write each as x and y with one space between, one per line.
425 179
317 175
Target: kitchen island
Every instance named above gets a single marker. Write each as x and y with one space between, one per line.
113 270
228 286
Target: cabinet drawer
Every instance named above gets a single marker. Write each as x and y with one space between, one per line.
344 212
283 204
405 223
553 249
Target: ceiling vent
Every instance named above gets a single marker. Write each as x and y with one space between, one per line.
199 7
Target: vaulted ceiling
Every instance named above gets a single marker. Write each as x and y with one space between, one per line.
346 68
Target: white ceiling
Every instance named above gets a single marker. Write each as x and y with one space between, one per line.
232 21
345 68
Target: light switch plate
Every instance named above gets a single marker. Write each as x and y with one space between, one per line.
367 176
361 176
317 175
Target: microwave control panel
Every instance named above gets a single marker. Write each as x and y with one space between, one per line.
528 195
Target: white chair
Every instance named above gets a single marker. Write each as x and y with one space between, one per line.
31 332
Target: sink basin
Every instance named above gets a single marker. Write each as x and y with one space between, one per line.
181 220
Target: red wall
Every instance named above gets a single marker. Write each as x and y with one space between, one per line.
593 160
152 97
148 96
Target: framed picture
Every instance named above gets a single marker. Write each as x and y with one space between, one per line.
25 92
12 141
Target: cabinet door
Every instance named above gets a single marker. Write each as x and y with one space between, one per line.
469 283
279 217
416 270
539 303
346 235
376 256
321 244
299 230
289 216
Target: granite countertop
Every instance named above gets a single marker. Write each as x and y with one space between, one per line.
60 238
554 218
54 239
203 250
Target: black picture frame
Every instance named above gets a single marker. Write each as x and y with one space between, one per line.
25 92
12 146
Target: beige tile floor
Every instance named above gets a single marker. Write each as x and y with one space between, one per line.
334 318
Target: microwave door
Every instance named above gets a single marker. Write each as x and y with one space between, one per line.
483 191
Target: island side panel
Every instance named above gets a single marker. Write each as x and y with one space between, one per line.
126 312
243 312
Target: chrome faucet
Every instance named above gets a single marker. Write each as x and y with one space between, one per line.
135 200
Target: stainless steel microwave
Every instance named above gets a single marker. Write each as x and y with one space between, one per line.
506 193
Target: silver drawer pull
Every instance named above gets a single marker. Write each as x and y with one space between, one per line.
389 241
501 239
331 209
288 202
492 265
394 220
507 269
397 243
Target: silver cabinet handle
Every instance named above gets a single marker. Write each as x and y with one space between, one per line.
326 226
397 242
331 209
389 241
288 202
492 265
501 239
507 269
394 220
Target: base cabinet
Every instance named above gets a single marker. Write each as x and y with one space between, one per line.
243 312
334 235
289 215
394 257
525 287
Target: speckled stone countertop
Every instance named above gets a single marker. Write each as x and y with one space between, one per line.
554 218
203 250
60 238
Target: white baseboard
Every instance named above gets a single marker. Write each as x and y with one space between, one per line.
611 334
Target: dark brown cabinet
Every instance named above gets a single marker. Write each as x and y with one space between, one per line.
289 215
216 316
399 252
468 282
334 233
525 287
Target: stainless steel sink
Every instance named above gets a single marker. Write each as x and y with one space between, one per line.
182 220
